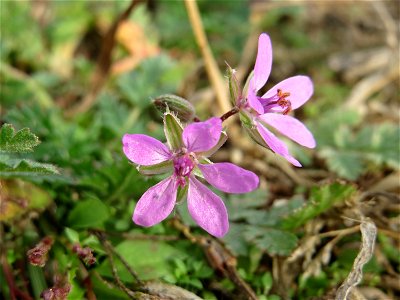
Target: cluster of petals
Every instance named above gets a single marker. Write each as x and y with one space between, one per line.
199 140
273 107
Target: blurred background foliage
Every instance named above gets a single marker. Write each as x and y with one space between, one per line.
64 176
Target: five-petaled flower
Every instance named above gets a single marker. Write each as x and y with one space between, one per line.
196 142
272 108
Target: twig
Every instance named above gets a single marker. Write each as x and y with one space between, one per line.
120 284
104 62
101 236
219 257
340 232
15 293
9 277
388 22
140 236
368 86
393 234
87 282
214 75
390 196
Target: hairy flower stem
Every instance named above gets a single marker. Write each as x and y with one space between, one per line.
230 113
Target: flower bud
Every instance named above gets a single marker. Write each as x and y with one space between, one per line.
56 293
234 88
85 254
183 108
37 256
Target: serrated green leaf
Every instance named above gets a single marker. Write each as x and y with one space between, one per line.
88 213
16 167
321 200
246 207
349 151
154 76
235 240
346 165
273 241
21 141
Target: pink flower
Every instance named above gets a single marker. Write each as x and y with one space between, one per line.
198 140
272 108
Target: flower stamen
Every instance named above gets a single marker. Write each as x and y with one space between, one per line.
283 102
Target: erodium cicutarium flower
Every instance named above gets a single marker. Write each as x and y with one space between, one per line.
185 157
273 107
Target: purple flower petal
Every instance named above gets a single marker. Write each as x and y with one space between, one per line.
276 145
254 102
290 127
229 178
207 209
144 150
263 65
202 136
156 203
222 139
300 88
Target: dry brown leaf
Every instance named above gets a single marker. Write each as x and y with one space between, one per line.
368 233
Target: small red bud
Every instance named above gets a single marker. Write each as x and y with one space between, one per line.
37 256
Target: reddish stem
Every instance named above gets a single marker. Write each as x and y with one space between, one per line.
230 113
9 277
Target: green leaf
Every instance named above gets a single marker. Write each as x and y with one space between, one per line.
150 259
246 207
37 280
26 168
88 213
105 292
274 241
346 165
72 235
173 131
348 151
321 200
154 76
235 240
22 141
156 169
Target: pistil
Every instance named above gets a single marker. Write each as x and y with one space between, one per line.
183 166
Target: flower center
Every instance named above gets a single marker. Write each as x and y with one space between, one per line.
278 100
183 166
